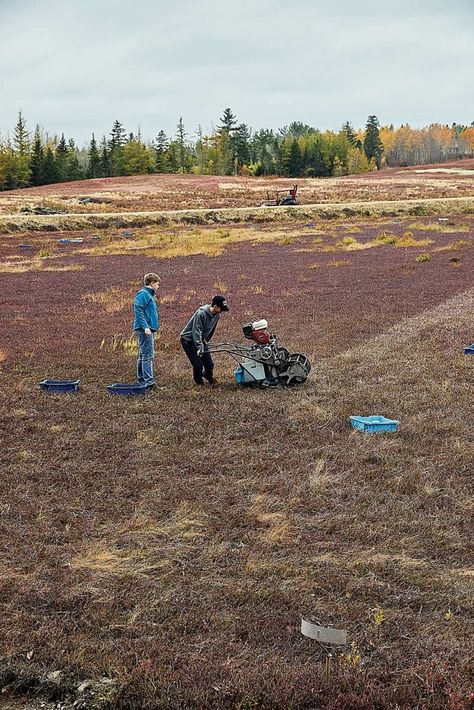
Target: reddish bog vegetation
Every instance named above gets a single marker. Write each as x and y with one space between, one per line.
170 544
169 192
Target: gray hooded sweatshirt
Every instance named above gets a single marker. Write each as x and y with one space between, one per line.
200 328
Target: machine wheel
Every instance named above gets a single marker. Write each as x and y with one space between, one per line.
283 354
281 359
296 369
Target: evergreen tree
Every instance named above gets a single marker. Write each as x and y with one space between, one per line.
228 121
296 129
281 155
118 138
173 157
62 159
262 150
37 160
351 136
161 149
19 171
227 144
294 163
240 141
373 146
50 172
74 170
181 144
316 165
104 159
94 167
21 137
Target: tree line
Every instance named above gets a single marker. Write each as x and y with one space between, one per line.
232 148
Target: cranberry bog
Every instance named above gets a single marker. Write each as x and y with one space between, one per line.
142 194
159 552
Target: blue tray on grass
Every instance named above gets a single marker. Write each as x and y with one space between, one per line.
374 423
60 385
469 349
128 388
26 246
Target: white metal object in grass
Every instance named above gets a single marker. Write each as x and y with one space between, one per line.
323 634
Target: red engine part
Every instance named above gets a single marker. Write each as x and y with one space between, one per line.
261 337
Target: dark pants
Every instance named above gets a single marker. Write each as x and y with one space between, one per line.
202 365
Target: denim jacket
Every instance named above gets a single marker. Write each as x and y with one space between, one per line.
145 311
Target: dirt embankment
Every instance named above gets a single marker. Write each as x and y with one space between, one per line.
392 208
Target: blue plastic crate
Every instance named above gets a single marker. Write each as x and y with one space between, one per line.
60 385
374 423
469 349
131 389
239 375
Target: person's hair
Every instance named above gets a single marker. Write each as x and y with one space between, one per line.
150 279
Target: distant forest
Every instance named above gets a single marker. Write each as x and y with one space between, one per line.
30 158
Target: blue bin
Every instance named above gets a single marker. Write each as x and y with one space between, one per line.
374 424
469 350
60 385
239 375
127 388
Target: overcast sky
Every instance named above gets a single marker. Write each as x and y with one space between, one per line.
77 65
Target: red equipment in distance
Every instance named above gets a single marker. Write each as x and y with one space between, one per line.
283 197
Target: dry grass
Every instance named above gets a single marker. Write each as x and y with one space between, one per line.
441 228
220 287
112 300
405 240
170 245
453 246
19 266
408 240
127 345
336 263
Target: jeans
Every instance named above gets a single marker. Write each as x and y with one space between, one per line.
146 352
203 365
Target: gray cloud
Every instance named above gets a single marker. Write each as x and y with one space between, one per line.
76 67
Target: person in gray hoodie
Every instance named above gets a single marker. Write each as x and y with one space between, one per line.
196 334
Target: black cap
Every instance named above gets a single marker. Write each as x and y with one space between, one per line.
221 302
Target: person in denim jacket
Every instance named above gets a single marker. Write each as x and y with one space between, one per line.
145 325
